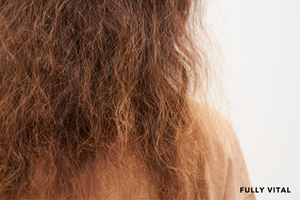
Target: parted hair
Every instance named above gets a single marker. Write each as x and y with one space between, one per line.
96 99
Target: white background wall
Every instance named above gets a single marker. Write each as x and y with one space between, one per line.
261 42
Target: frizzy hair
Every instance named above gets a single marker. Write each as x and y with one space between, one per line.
88 87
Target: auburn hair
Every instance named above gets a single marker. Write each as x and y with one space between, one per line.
96 99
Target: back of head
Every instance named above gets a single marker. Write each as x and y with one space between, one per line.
87 85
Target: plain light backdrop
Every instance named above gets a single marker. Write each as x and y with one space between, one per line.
261 43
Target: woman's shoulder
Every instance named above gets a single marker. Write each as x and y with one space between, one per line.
226 168
215 125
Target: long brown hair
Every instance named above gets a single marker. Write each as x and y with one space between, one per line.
92 89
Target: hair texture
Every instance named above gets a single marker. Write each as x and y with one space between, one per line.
96 99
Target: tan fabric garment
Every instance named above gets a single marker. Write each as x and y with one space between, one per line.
226 185
236 177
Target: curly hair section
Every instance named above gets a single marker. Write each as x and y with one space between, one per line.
92 92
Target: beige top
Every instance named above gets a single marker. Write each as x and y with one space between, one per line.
227 185
236 177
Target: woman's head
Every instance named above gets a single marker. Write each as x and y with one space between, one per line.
89 78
